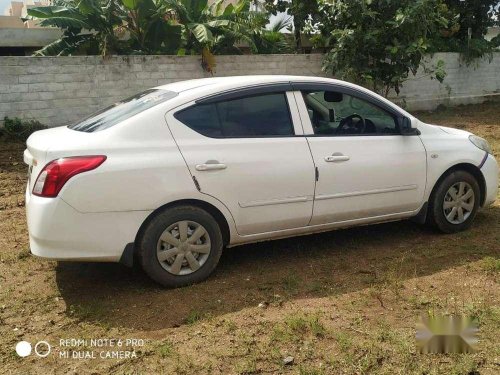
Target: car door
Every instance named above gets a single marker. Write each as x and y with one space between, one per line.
366 168
243 149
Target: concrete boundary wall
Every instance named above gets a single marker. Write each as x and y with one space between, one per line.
61 90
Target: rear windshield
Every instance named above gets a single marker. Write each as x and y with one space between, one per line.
123 110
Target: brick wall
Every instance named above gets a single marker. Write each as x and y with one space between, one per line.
462 85
61 90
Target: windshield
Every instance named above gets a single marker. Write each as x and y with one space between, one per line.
123 110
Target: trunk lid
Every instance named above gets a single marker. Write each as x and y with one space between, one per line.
46 145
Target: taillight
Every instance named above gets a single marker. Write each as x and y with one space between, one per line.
55 174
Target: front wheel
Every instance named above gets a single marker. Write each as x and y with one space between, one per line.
455 202
180 246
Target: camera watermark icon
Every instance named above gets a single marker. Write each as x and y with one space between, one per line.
42 349
23 349
447 334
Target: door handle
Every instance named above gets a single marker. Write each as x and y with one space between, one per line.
210 165
336 157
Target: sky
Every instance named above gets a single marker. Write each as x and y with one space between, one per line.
3 6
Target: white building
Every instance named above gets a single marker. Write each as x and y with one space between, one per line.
22 38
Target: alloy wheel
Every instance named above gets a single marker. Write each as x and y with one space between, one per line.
183 247
458 203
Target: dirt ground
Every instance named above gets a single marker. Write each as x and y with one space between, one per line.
344 302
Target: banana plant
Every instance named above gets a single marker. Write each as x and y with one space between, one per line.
210 29
88 25
109 26
151 27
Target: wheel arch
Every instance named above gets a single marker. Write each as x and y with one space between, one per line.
467 167
210 208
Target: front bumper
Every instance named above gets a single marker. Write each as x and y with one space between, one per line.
490 174
59 232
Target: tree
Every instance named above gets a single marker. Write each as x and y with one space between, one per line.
87 25
478 15
300 10
150 26
379 42
474 16
210 26
272 39
145 26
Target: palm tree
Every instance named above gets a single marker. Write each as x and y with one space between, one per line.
272 39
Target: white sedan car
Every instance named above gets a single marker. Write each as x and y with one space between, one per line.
174 174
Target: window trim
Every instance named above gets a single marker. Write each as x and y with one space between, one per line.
301 87
243 94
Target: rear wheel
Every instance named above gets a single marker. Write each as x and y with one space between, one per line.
455 202
180 246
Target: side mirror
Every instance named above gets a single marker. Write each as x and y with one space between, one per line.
406 128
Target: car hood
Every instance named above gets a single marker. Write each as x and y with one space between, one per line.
454 131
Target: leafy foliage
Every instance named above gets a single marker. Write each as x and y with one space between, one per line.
272 39
88 26
151 29
215 28
379 42
474 16
145 26
15 129
477 15
302 11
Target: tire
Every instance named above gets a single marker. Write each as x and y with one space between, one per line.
446 202
164 254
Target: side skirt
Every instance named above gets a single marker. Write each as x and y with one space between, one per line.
241 240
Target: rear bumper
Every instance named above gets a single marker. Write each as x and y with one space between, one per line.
59 232
490 174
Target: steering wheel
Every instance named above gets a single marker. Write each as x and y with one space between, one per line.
348 121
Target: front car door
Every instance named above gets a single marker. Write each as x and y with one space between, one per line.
367 169
242 148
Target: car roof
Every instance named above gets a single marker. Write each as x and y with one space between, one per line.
220 82
194 88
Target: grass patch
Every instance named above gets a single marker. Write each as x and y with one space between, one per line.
343 340
306 324
295 327
291 283
166 349
230 325
247 367
385 333
490 265
89 311
24 254
194 316
305 370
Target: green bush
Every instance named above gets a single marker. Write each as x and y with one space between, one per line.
15 129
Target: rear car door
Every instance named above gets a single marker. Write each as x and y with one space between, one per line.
367 168
242 149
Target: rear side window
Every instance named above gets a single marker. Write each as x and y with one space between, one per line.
254 116
202 118
123 110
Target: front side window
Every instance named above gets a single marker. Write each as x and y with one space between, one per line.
123 110
335 113
254 116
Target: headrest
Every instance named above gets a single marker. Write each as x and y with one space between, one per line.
333 97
